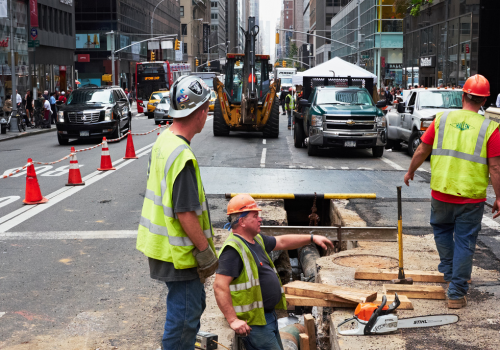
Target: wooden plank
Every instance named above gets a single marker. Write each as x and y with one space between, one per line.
310 330
387 275
304 342
383 234
414 291
295 300
329 292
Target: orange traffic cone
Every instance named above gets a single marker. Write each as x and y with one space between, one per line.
105 157
74 177
33 194
130 152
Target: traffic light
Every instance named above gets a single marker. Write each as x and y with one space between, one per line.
177 46
277 38
208 63
152 55
284 64
196 62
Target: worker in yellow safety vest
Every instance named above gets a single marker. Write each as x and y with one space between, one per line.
247 287
289 100
465 151
175 231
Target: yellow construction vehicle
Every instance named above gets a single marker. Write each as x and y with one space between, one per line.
247 100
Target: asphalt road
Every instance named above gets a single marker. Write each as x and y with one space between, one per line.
69 267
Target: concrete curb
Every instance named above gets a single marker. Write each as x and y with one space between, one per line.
26 134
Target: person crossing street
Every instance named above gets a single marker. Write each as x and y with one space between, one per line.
289 100
175 231
245 266
465 151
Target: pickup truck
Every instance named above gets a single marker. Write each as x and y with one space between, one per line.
343 117
408 122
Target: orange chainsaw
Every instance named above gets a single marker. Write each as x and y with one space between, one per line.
370 318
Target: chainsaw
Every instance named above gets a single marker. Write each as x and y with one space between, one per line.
371 318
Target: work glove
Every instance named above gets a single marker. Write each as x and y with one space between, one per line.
207 262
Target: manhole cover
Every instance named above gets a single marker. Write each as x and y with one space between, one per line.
377 261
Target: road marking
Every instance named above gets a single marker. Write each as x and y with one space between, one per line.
210 117
391 163
344 167
361 168
2 313
38 168
263 158
490 222
7 200
264 141
26 212
306 167
292 166
329 167
68 235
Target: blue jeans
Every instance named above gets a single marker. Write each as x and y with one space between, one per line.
289 113
264 337
185 304
456 227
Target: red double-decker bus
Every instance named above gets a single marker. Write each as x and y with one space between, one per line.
150 77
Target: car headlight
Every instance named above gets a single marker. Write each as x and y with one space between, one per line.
159 110
317 120
381 122
424 124
108 114
154 104
60 116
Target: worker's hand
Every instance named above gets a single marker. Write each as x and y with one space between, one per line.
240 327
207 262
408 176
496 208
323 242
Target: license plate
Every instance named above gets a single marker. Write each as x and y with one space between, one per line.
350 144
85 133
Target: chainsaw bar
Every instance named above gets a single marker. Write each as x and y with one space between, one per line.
427 321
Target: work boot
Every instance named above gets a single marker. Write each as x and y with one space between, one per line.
457 303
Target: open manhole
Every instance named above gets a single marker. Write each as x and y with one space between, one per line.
365 260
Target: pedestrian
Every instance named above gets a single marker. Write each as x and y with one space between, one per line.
498 101
19 101
283 95
47 112
29 106
175 231
465 152
245 266
63 98
389 96
289 106
46 95
52 101
7 106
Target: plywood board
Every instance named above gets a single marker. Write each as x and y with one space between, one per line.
406 303
311 330
388 275
304 342
329 292
295 300
415 291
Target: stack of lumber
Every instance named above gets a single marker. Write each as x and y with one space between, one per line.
368 273
294 300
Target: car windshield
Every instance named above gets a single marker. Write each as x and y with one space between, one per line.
90 97
343 97
213 95
165 99
441 99
286 81
157 96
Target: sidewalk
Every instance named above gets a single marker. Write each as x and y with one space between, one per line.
29 132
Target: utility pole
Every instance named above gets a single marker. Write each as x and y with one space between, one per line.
113 57
13 68
358 63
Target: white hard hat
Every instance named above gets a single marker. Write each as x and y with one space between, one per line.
188 93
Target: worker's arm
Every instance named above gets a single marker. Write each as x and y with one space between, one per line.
494 167
423 151
288 242
191 225
223 298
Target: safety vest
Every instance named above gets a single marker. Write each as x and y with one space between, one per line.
245 289
459 161
161 235
289 102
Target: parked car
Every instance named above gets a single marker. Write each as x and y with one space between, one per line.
154 99
408 122
94 112
161 111
343 117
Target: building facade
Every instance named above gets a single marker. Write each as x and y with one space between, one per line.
382 50
235 19
218 28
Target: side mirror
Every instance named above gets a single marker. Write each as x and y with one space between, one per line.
401 107
381 104
304 103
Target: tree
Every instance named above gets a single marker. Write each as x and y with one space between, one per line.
292 52
413 6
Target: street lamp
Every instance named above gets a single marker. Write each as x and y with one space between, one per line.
152 16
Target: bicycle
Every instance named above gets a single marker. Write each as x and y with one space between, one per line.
21 123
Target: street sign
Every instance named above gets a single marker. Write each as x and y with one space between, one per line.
33 43
34 33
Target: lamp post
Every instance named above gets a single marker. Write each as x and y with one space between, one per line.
152 16
13 69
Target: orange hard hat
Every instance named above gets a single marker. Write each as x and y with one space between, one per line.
242 203
477 85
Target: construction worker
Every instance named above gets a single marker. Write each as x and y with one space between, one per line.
245 266
289 106
175 231
465 151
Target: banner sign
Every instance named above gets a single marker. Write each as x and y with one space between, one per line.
34 13
428 62
206 34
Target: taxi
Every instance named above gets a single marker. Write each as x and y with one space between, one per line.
213 97
155 98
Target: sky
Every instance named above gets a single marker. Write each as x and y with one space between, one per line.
270 11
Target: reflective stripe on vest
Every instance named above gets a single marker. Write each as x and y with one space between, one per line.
249 307
476 157
252 282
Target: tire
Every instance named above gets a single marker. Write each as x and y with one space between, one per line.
378 151
117 133
150 115
272 127
298 135
20 123
62 141
312 150
414 142
157 122
220 126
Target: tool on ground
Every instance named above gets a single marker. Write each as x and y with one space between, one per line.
401 274
206 341
130 151
370 318
105 157
33 194
74 175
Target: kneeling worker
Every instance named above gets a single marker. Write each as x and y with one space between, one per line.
245 266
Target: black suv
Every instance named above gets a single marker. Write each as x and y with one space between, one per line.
94 112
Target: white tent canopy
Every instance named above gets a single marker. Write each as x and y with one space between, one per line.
339 66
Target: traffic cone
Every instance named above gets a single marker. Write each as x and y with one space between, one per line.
74 176
33 194
105 157
130 152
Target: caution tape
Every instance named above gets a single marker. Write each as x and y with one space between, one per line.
15 171
57 161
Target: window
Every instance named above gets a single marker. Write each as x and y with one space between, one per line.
40 15
70 24
214 16
182 11
214 4
184 30
184 48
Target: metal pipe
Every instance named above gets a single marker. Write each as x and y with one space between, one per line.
307 257
307 196
290 336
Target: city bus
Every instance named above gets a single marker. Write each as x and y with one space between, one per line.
150 77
